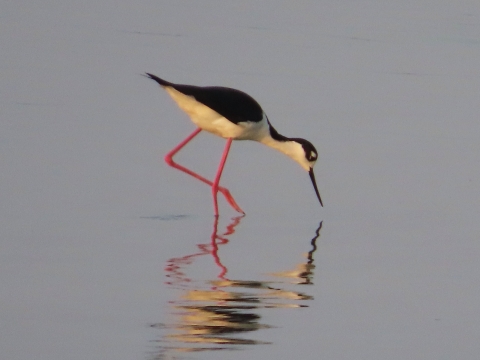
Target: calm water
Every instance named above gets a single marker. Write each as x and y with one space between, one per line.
106 252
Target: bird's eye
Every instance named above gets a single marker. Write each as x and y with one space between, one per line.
311 156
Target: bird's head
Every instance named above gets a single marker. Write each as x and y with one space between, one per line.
306 155
300 150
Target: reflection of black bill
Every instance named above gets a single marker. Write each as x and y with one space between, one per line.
312 177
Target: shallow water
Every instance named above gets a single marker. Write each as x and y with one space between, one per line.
106 252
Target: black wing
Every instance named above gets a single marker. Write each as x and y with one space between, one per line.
233 104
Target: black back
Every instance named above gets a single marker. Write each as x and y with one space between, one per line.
233 104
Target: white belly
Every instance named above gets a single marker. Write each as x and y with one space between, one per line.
211 121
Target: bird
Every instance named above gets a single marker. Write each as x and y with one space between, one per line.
232 115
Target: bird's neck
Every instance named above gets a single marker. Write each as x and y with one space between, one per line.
285 145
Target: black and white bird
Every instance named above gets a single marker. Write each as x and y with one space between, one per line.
233 115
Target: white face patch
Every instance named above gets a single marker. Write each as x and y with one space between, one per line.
313 155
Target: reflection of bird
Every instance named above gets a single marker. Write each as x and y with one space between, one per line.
233 115
223 313
303 272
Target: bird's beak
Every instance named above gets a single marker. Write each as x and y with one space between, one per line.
312 177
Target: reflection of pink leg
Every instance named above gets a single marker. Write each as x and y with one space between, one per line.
214 250
224 191
175 267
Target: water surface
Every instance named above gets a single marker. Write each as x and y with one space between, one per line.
106 252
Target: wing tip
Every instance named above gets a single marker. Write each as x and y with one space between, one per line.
157 79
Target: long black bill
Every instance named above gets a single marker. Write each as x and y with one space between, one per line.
312 177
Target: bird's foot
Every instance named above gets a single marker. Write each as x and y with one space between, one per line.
230 199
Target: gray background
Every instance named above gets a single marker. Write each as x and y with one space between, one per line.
90 215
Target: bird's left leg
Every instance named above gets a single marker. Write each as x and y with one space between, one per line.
216 188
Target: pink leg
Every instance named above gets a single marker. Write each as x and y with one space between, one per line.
219 174
169 156
224 191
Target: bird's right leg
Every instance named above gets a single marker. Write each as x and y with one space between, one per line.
169 161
